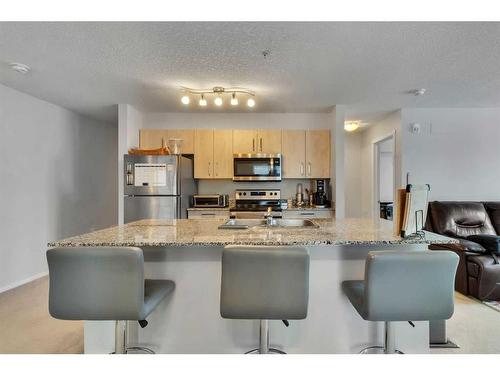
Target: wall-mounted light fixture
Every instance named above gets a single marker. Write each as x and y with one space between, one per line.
350 126
219 92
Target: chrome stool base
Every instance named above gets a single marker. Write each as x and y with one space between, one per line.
121 328
378 349
264 341
270 351
140 349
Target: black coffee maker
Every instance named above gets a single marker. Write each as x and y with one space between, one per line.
320 197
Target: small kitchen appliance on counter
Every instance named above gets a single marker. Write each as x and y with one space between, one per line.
320 197
210 200
253 204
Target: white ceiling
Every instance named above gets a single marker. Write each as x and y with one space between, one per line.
90 67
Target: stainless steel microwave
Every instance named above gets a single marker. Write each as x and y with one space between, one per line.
257 167
210 200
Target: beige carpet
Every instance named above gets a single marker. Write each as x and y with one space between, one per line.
27 327
474 326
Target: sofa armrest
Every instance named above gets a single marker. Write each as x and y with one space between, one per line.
489 242
463 246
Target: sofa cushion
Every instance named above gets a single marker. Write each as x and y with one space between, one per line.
460 219
490 242
493 209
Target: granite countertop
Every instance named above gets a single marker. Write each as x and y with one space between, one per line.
209 208
189 232
309 208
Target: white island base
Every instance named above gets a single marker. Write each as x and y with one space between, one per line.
189 321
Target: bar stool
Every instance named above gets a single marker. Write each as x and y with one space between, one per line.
103 283
404 286
264 283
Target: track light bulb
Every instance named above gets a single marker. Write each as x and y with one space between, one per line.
234 100
203 101
218 101
251 103
185 100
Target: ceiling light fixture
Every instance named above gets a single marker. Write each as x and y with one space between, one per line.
203 101
234 100
350 126
20 68
219 92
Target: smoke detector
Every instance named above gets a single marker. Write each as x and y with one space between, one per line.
418 92
20 68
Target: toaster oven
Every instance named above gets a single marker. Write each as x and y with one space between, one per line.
210 200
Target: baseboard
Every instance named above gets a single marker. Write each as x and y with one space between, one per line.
22 282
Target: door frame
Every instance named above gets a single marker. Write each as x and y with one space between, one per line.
376 170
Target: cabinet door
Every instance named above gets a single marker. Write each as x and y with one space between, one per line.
294 154
269 141
223 154
244 141
318 154
152 138
204 153
187 137
206 214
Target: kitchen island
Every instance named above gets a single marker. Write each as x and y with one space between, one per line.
189 252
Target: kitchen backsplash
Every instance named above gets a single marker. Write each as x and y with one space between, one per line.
288 187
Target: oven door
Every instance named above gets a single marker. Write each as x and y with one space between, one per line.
257 167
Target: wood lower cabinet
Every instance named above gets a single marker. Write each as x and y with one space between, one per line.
208 214
318 153
294 154
152 138
305 214
204 153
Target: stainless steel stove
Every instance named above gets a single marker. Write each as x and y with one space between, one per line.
255 203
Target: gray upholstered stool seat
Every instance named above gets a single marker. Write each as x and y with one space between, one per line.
404 286
264 283
103 283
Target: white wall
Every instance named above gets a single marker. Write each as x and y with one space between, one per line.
362 200
130 120
353 175
386 171
237 120
457 152
57 179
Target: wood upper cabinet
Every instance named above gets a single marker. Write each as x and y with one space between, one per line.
223 153
152 138
204 153
253 141
244 141
294 153
318 153
269 141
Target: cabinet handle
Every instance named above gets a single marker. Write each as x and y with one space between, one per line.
307 213
309 169
261 144
253 144
216 168
209 168
207 214
301 169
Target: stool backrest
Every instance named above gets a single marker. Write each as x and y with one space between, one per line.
96 283
410 285
264 282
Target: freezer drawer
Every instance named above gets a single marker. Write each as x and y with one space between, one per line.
151 207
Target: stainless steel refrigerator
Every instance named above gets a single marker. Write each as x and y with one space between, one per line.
157 187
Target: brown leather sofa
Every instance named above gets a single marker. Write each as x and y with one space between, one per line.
478 272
